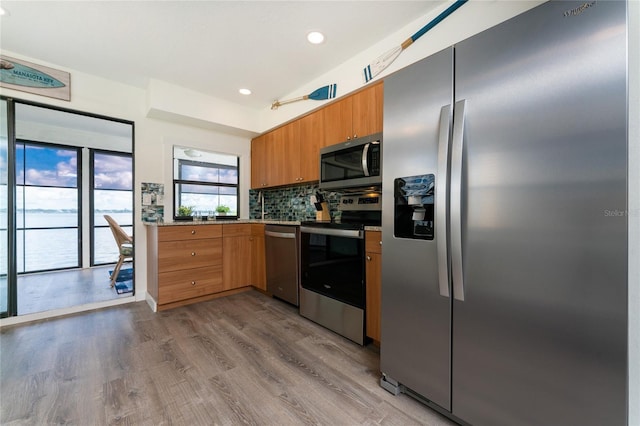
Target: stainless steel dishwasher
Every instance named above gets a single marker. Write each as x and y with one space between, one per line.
282 258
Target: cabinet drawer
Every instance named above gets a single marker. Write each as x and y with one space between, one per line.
236 229
188 232
373 242
180 285
178 255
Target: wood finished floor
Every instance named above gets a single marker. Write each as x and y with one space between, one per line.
243 359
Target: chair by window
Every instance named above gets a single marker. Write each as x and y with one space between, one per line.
125 246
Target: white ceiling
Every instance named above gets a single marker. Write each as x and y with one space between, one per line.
213 47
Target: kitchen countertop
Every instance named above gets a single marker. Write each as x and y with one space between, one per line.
223 221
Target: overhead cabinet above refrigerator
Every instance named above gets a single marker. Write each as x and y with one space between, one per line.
504 281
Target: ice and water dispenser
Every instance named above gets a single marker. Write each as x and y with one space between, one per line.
413 209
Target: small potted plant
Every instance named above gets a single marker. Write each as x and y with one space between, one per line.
184 213
222 210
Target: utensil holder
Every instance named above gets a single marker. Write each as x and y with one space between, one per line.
323 215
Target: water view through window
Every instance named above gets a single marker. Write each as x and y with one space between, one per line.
60 172
205 181
49 207
112 192
47 201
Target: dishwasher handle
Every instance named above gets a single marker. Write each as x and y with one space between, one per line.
280 234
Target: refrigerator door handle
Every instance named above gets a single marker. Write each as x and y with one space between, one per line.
457 150
442 201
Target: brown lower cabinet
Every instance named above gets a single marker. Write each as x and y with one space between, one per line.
236 256
258 260
373 252
192 263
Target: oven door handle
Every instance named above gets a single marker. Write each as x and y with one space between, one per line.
347 233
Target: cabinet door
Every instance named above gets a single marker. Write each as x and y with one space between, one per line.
236 262
373 249
367 111
236 229
258 265
284 156
337 122
259 161
310 141
374 272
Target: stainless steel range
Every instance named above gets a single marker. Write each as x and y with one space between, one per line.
333 266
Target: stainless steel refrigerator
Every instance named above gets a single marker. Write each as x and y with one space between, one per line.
504 276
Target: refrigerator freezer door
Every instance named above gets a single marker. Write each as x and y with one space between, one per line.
416 319
540 337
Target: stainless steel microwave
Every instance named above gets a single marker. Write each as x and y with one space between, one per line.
357 162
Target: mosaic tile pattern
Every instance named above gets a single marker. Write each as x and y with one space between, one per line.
291 203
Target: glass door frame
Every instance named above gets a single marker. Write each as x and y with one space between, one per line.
79 222
92 191
12 276
12 302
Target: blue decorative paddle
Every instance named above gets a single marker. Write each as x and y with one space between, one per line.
382 62
326 92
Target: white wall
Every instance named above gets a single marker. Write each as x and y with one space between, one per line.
177 104
470 19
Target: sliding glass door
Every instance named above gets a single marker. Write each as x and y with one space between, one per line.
60 172
4 209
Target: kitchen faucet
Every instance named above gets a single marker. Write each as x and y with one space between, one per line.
261 201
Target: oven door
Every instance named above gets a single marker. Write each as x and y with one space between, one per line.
333 263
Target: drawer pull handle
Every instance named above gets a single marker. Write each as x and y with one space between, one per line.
193 283
369 258
193 253
193 232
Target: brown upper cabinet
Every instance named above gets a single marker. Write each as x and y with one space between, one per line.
283 167
259 161
290 154
311 140
354 116
275 157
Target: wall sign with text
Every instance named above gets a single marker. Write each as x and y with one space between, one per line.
33 78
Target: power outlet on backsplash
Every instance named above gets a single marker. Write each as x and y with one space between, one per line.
291 203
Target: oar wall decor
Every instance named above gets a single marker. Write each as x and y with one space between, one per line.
382 62
326 92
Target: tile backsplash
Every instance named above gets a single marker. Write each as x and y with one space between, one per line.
291 203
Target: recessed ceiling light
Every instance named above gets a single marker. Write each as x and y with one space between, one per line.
245 91
315 37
